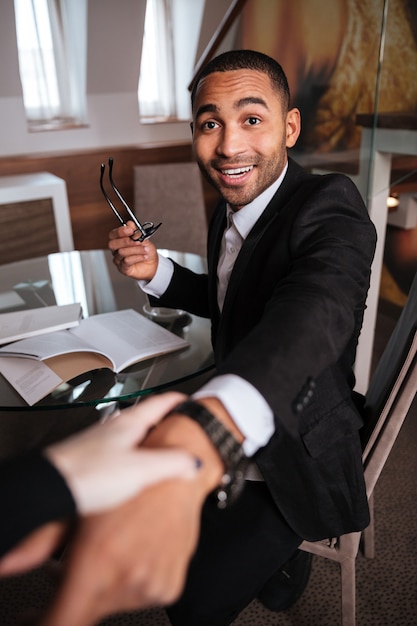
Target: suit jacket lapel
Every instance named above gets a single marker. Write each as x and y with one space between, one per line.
248 248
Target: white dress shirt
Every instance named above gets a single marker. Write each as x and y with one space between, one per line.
237 395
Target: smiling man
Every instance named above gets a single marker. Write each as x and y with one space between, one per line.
289 256
277 430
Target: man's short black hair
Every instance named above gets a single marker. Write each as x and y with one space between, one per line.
247 60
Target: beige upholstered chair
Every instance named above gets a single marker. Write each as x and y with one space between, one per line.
390 394
172 193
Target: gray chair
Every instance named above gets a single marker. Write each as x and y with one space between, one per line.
390 394
172 193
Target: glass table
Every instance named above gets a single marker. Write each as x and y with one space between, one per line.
89 277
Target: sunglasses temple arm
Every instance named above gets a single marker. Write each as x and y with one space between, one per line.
109 202
122 200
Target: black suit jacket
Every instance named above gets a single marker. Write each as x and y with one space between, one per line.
290 324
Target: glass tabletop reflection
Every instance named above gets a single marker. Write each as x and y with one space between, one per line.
89 277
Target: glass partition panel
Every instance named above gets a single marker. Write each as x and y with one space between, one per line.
330 52
394 148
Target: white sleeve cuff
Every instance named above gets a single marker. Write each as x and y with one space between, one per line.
248 408
159 283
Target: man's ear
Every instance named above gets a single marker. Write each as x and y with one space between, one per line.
293 127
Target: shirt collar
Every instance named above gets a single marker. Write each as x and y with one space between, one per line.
245 218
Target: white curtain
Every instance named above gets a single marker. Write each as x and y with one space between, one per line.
69 35
52 42
157 71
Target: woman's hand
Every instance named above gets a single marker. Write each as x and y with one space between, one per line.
103 466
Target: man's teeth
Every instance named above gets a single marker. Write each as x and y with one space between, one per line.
237 171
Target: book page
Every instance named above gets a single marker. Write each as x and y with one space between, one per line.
127 337
46 346
68 366
33 380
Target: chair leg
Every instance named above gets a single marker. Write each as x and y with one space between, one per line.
368 535
348 584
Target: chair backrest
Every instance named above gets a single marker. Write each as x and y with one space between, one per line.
172 193
391 391
34 216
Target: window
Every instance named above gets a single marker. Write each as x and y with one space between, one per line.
172 29
52 43
157 73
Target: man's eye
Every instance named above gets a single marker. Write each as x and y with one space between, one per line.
252 121
210 125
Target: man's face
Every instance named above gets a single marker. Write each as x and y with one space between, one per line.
241 134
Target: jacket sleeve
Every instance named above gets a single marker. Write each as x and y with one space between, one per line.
187 290
33 493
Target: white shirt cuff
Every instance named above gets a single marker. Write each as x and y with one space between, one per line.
159 283
248 408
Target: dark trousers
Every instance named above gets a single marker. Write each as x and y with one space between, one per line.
240 548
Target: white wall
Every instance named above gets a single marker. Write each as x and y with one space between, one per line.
114 47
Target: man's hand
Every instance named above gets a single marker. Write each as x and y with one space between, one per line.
138 260
133 557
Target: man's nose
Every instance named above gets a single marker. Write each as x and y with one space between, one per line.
231 142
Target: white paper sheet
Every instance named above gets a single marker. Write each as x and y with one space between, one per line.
32 379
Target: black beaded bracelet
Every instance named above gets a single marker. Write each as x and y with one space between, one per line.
230 451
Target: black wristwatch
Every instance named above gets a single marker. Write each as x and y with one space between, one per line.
230 451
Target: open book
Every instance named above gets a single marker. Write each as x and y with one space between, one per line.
113 340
